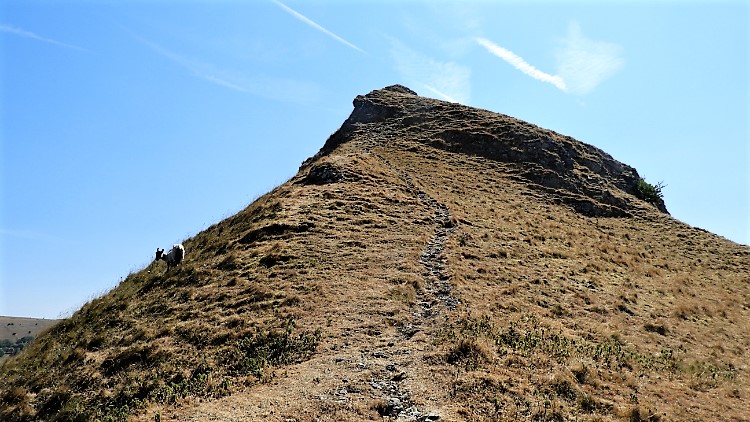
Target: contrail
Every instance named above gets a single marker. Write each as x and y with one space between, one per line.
277 89
441 94
200 69
448 80
521 64
26 34
314 25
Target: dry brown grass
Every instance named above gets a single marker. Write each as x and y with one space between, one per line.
645 281
312 304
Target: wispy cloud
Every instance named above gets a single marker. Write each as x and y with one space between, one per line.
584 63
8 29
448 80
440 94
521 64
198 68
274 88
315 25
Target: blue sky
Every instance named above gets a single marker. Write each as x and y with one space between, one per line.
128 126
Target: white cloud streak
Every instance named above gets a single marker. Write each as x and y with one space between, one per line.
440 93
448 80
8 29
521 64
316 26
200 69
274 88
582 64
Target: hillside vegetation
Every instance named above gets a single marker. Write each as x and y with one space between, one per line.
431 262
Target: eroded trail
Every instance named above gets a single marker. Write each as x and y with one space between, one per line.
433 300
437 281
437 290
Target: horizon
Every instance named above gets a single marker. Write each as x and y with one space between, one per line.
130 127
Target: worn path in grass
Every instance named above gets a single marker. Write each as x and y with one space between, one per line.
434 298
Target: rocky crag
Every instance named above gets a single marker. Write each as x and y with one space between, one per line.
432 262
577 174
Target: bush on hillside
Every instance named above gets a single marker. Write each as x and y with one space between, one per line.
650 193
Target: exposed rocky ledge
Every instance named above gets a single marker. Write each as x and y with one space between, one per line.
576 173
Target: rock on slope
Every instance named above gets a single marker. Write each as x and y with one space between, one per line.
431 262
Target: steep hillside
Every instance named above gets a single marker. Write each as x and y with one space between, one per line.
431 262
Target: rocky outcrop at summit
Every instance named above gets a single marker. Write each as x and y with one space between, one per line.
577 174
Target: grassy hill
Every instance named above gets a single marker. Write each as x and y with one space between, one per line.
431 262
16 327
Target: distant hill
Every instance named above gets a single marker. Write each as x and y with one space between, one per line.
432 262
16 327
13 329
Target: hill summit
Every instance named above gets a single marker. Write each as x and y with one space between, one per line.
432 262
580 175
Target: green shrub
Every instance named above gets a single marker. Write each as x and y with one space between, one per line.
650 193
